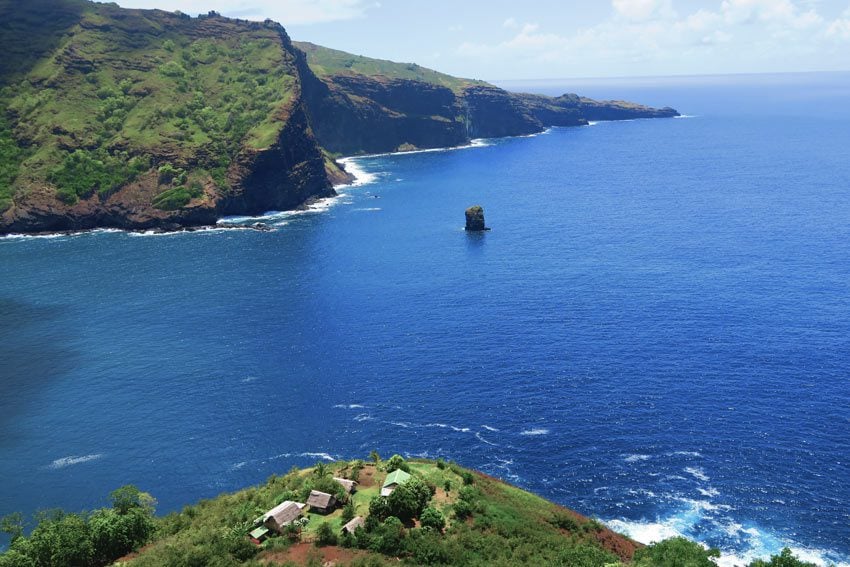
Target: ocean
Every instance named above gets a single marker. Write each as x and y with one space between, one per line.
655 332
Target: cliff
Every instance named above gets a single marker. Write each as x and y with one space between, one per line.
138 119
388 106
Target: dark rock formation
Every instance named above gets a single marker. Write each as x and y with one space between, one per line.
475 219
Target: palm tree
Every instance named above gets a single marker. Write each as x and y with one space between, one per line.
321 470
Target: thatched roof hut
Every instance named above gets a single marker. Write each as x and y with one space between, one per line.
282 515
354 524
348 485
321 501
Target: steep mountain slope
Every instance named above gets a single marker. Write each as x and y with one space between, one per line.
137 119
390 106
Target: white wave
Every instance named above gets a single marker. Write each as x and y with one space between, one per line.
361 176
481 438
635 458
73 460
452 427
685 454
55 235
400 424
699 520
363 417
249 379
237 466
368 209
686 116
539 431
696 472
645 531
592 122
205 230
710 492
323 456
488 428
349 406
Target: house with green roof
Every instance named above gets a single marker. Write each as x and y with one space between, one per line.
393 481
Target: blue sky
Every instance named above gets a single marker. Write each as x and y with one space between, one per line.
545 39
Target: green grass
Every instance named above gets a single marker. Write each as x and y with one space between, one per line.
325 61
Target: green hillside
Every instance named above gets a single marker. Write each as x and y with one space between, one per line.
439 514
324 61
106 94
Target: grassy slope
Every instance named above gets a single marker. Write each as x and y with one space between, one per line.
325 61
118 84
508 526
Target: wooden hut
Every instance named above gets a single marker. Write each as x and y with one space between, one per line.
321 502
348 485
282 515
353 525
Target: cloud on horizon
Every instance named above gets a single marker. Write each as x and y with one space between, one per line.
653 32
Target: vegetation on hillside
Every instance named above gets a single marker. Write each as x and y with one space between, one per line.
444 515
127 90
325 61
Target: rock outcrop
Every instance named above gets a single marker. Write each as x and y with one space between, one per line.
475 219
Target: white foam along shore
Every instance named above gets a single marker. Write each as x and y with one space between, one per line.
755 543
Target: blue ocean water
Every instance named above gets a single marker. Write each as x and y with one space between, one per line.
656 332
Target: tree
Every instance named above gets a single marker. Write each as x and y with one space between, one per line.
432 518
396 462
375 457
12 524
348 512
785 559
675 552
320 470
409 499
325 535
128 497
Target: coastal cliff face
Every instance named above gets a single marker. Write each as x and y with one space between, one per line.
141 119
360 105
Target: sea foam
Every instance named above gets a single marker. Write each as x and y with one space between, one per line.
73 460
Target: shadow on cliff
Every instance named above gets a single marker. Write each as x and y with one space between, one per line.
31 30
34 351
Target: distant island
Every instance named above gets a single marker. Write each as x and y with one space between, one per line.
358 513
146 119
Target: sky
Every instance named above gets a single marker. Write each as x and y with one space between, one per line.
549 39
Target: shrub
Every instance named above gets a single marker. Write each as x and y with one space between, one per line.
348 512
397 462
432 518
325 535
675 552
462 509
785 559
565 521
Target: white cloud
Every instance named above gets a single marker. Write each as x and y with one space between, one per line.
287 12
642 10
740 34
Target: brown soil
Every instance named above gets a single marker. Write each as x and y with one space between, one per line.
301 553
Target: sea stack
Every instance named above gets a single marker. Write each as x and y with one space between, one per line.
475 219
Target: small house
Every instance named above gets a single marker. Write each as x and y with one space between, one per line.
393 481
321 502
282 515
353 525
348 485
259 534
